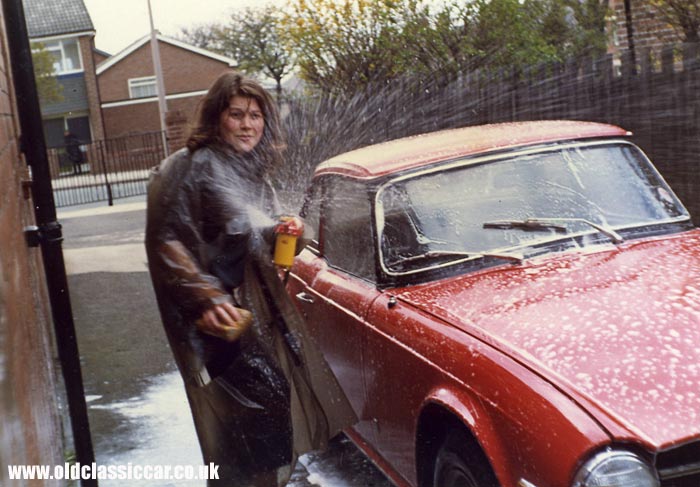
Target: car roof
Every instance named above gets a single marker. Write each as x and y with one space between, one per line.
419 150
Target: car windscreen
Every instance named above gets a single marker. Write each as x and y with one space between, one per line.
469 208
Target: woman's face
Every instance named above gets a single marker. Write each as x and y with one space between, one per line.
242 123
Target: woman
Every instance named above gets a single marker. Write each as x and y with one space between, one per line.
260 395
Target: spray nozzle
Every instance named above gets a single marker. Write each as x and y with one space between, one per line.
287 231
290 225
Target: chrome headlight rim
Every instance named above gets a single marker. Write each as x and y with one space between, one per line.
600 459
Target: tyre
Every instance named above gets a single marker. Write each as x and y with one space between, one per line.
460 463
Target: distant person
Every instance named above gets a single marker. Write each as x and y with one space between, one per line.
75 155
260 393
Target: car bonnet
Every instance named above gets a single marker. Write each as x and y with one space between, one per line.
617 329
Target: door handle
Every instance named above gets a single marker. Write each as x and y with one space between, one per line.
305 298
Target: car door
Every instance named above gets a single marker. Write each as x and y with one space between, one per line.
332 282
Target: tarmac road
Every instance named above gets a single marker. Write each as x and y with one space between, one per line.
137 407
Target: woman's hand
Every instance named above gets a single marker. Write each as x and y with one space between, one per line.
224 321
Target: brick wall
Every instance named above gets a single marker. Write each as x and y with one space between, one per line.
99 56
143 117
649 30
178 130
30 430
183 71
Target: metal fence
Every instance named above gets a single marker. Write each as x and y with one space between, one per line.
655 95
111 169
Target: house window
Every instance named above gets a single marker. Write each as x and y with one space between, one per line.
142 87
53 132
66 55
54 128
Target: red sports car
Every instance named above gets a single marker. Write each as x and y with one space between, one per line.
512 305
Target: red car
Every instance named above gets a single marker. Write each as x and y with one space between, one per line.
512 305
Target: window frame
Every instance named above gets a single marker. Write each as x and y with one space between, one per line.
54 138
328 185
58 45
140 82
313 199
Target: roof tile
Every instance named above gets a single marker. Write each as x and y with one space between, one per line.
55 17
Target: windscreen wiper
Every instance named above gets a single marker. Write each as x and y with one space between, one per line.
459 255
552 224
527 224
433 254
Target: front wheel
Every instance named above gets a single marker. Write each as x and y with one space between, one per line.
460 463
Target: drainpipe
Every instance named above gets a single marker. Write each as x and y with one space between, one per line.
629 25
47 233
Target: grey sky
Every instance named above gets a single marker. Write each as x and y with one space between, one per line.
119 23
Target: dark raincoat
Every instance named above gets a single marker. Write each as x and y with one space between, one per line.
263 400
72 144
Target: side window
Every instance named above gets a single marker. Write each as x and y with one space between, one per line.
311 211
142 87
348 242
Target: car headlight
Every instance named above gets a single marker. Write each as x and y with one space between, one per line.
615 468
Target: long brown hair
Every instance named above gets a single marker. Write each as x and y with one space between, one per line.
207 132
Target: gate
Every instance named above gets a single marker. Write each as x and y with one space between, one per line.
110 169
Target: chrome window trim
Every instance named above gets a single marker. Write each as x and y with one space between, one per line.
688 465
468 161
685 470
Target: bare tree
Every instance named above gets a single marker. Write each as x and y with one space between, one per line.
254 40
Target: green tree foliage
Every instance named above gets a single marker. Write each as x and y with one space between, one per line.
343 45
516 34
587 35
439 40
48 87
509 34
684 15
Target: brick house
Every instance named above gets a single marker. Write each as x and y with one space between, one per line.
64 28
30 420
648 29
128 86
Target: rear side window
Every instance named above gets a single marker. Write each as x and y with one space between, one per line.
347 238
311 212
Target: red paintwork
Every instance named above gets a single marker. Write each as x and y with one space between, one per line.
411 152
617 330
545 361
403 359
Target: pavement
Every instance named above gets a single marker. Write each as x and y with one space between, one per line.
136 404
137 407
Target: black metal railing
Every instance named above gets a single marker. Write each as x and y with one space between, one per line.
110 169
